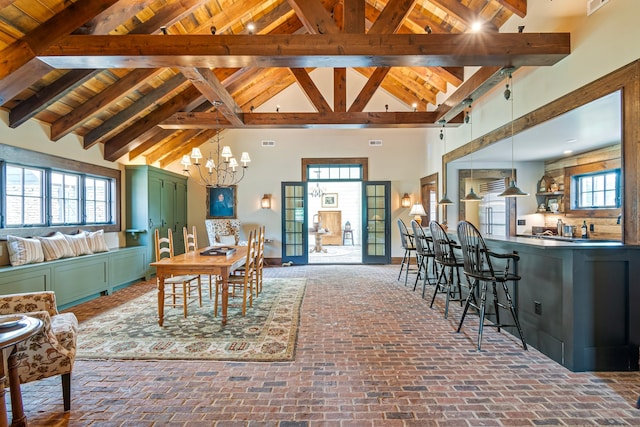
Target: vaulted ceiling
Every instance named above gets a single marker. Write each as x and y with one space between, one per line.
149 77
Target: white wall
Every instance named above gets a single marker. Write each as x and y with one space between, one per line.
398 160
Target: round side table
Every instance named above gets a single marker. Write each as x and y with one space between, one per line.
12 332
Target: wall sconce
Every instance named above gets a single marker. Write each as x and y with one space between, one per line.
405 202
265 202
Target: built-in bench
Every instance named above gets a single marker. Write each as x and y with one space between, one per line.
77 279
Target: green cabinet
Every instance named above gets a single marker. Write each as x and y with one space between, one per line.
156 199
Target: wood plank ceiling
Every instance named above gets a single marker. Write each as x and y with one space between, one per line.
142 76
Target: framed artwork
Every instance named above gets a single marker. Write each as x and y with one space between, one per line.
221 202
330 200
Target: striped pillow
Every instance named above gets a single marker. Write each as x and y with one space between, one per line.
55 247
78 243
96 241
24 251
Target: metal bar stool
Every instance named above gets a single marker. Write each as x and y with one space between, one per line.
409 248
479 271
447 259
425 256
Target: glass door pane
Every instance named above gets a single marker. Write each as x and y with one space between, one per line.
294 223
377 220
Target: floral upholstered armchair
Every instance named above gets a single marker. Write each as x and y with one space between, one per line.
50 352
223 231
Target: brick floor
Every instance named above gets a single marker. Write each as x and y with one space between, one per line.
370 353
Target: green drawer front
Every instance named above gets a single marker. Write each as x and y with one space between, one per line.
127 267
27 280
79 279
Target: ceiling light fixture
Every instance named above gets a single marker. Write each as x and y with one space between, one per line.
225 173
317 191
443 137
512 190
471 196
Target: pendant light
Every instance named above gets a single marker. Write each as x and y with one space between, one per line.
512 190
445 200
472 196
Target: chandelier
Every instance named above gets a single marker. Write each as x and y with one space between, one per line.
221 172
317 191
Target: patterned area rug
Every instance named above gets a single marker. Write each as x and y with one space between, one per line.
268 332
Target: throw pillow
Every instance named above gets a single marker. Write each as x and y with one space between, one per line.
55 247
78 243
24 250
96 241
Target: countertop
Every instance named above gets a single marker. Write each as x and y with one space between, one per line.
556 241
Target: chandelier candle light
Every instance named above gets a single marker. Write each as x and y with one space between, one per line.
223 171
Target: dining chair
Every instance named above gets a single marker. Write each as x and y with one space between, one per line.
406 239
479 270
181 287
191 245
447 258
424 255
243 279
259 259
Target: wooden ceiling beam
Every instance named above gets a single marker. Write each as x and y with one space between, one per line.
306 50
392 16
310 89
305 120
173 152
48 95
315 18
177 139
63 23
369 89
134 135
474 87
128 115
340 89
208 84
518 7
99 102
103 23
353 12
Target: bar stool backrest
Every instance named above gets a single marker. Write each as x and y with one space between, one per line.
404 235
421 240
442 245
475 255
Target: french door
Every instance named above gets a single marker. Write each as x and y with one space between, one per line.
376 217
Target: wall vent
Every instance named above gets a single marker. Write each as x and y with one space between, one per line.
375 143
268 143
593 5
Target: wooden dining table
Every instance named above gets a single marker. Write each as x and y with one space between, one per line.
195 263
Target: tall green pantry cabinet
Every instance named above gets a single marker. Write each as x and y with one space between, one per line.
156 199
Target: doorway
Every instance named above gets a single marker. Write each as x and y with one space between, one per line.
335 209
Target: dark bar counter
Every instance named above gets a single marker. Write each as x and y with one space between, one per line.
578 301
